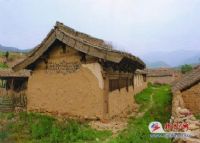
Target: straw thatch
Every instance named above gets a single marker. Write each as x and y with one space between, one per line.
9 73
81 42
187 81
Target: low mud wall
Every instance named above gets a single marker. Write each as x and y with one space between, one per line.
191 98
180 114
122 102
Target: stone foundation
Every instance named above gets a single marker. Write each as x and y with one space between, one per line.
181 114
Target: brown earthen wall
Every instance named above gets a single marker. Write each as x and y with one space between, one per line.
138 89
76 93
161 80
191 98
123 101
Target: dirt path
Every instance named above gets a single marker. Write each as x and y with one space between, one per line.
140 114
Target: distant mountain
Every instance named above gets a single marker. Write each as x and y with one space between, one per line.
12 49
193 60
158 64
174 58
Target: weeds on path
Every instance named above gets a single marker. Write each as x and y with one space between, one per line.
137 131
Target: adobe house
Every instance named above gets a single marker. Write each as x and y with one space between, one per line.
185 104
188 87
162 75
74 74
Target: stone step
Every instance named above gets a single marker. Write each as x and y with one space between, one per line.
6 99
6 106
6 103
6 110
3 108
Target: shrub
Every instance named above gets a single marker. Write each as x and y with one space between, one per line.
186 68
71 130
56 134
3 66
38 128
10 116
42 127
3 135
75 131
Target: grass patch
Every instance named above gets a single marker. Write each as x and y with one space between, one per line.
3 66
37 128
137 131
197 116
143 98
3 135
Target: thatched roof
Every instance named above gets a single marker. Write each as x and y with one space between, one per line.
81 42
9 73
160 72
187 81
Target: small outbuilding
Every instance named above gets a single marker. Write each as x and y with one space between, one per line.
162 75
74 74
188 88
13 86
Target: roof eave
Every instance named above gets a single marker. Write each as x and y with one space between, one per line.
79 44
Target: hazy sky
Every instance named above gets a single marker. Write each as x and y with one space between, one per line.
137 26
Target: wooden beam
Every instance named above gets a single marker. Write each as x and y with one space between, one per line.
119 83
127 84
106 97
133 83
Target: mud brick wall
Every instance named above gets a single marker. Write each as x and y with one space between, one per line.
123 101
161 79
191 98
53 88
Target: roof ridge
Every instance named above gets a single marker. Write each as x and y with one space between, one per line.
71 37
187 80
76 35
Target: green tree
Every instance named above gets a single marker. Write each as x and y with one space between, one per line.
7 55
186 68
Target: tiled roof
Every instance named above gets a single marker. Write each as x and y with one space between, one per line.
187 80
